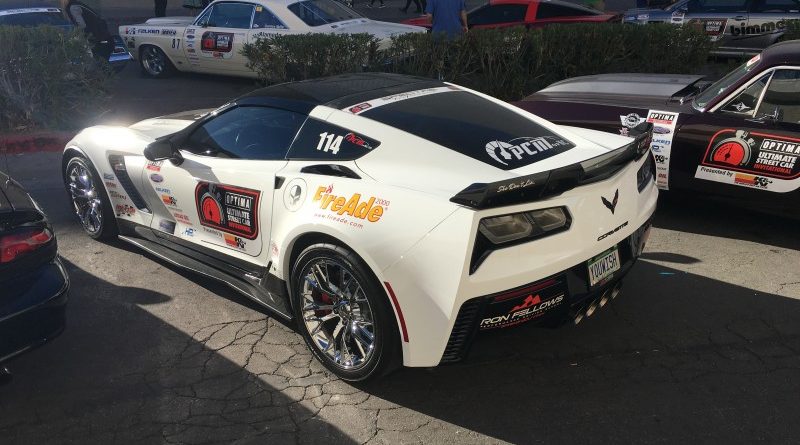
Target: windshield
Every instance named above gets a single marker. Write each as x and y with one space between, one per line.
322 12
53 18
721 85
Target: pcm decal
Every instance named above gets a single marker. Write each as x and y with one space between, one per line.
517 152
752 159
661 146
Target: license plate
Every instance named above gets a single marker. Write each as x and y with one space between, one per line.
603 266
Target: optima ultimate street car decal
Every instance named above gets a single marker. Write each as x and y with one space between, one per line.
752 159
664 124
233 210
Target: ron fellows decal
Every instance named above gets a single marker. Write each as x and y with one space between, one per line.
231 210
351 210
521 306
752 159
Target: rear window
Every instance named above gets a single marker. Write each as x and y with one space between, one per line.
52 18
470 125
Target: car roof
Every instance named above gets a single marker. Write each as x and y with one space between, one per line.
787 52
21 4
339 91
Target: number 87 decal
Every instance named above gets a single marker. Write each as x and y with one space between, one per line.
329 142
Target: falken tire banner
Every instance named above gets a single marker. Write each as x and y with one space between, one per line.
227 208
752 159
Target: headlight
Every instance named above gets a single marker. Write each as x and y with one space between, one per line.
518 226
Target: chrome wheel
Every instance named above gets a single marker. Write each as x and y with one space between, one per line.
153 61
337 314
85 198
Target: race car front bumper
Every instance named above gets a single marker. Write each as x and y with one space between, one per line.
566 296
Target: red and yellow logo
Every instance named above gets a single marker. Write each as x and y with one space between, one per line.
371 209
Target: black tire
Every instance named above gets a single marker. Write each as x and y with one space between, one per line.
385 352
107 227
154 63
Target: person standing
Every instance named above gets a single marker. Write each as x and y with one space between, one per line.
161 8
372 2
449 17
416 3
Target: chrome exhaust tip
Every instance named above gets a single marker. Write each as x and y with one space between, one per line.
591 309
604 299
578 318
617 289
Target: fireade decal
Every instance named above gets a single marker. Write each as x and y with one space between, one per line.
370 210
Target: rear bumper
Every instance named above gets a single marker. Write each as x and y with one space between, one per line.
32 309
565 296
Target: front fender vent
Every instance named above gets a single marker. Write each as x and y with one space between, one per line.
120 170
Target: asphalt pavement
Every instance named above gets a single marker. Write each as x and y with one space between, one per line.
703 344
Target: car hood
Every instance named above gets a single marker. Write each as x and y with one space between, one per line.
171 21
171 123
645 14
381 30
630 89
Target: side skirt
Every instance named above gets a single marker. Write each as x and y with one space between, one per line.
259 294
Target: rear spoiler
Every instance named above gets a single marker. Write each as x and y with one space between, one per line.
554 182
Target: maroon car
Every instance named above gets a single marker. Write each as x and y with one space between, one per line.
528 13
737 138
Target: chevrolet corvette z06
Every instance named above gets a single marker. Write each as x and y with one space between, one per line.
392 218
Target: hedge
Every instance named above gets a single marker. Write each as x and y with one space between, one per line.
508 63
48 79
792 30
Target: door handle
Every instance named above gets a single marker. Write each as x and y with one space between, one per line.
740 18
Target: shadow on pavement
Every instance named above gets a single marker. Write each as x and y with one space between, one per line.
680 357
119 374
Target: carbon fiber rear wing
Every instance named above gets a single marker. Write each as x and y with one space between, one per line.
542 185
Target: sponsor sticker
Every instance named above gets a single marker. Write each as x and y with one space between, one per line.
360 108
154 166
228 208
155 177
523 306
664 125
518 151
124 210
109 176
752 159
167 226
338 208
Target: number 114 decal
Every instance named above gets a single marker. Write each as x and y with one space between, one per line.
329 142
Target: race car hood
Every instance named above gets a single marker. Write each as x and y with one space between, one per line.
381 30
627 89
171 21
171 123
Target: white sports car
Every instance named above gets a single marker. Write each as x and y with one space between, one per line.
212 42
392 217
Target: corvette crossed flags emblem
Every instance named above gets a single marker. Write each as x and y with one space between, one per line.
613 203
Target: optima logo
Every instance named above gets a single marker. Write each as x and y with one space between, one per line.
352 206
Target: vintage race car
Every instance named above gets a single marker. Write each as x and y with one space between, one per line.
737 139
391 217
528 13
212 42
740 26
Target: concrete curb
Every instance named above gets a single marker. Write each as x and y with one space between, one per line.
38 142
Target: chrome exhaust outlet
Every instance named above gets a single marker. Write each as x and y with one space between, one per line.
591 309
617 289
578 318
604 299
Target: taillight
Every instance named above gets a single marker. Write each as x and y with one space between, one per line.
17 244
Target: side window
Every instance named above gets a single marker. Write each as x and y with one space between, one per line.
492 14
323 140
782 98
777 6
550 10
717 6
264 19
745 103
259 133
230 15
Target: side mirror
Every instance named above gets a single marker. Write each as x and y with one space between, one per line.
162 149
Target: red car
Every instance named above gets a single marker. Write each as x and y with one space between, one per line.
529 13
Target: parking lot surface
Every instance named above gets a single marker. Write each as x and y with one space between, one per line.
703 345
